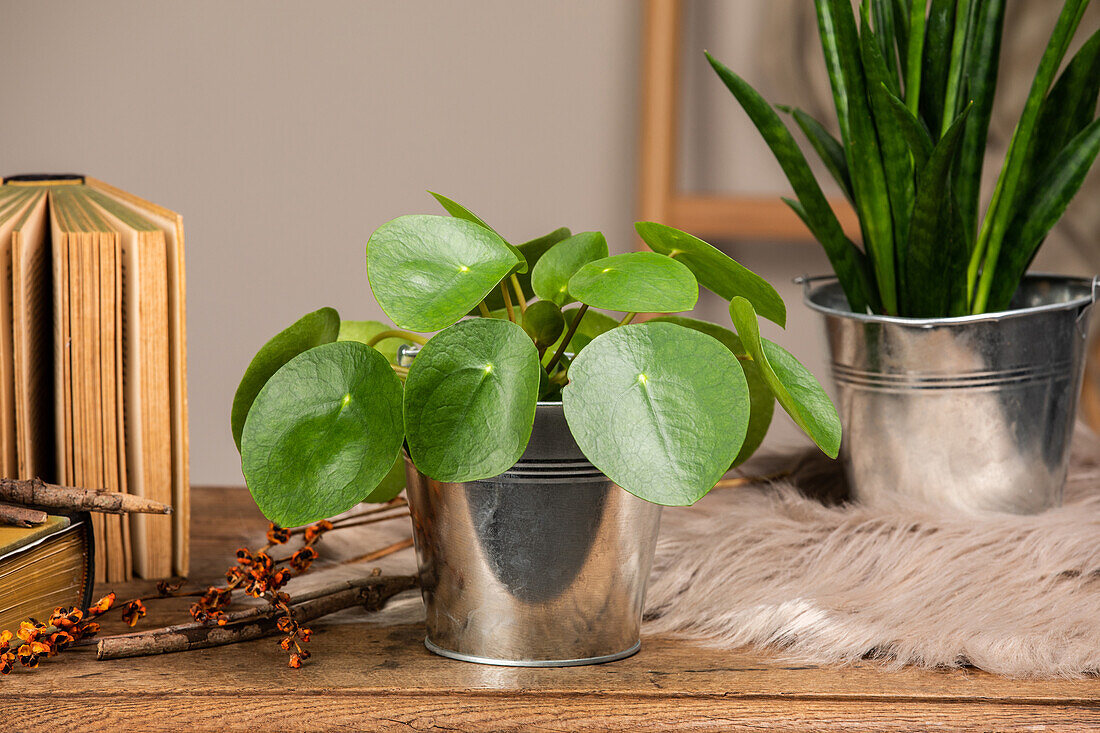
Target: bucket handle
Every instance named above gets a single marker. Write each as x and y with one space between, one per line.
807 281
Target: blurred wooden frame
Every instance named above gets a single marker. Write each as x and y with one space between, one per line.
758 218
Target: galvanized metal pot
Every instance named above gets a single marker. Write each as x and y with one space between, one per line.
972 413
542 566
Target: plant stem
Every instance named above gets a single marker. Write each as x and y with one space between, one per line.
396 334
519 293
916 55
401 371
484 310
508 303
627 319
568 337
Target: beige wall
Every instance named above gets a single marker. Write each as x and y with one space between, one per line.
285 132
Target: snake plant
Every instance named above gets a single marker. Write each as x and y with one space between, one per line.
327 408
913 84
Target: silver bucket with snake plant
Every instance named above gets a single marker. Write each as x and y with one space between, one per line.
972 413
544 565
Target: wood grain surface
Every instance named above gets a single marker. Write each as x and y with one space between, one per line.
369 676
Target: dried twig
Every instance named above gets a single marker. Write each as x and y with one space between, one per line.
254 623
379 554
739 481
20 516
36 492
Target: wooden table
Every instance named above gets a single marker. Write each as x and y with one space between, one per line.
379 677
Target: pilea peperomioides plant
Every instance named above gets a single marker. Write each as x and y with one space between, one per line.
663 408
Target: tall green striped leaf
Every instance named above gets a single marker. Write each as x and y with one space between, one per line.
935 66
1049 197
981 79
935 282
819 217
827 147
886 33
896 163
915 54
961 39
1067 110
840 40
915 134
1001 209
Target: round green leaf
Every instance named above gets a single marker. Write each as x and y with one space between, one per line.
550 276
659 408
794 387
322 434
364 331
312 329
470 400
638 282
428 271
714 269
543 322
761 399
458 210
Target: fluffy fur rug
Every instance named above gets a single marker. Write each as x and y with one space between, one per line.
788 567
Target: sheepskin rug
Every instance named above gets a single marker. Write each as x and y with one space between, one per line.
790 566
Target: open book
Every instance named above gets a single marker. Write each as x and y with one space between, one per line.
93 381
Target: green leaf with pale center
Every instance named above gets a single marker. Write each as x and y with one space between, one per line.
429 271
647 415
550 276
794 387
322 434
714 269
636 282
313 329
761 399
364 331
458 210
470 400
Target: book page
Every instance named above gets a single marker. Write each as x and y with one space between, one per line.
13 215
32 341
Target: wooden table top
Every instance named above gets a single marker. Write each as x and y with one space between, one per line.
373 676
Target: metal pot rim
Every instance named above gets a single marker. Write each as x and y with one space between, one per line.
1093 284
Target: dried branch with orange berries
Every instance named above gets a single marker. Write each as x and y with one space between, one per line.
257 574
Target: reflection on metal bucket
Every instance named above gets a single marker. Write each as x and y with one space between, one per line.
544 565
972 413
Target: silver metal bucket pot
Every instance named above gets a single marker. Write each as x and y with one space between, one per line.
542 566
972 413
